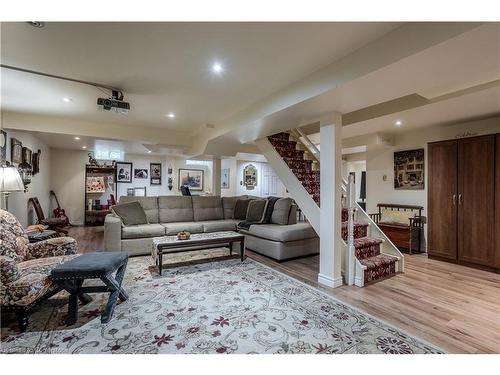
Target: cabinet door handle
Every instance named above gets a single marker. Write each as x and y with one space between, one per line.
459 198
454 199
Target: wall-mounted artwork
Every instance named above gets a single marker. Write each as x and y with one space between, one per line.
193 178
16 151
409 170
155 173
35 162
250 177
140 173
3 146
124 172
95 184
224 178
27 153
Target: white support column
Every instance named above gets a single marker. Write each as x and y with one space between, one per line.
216 173
330 257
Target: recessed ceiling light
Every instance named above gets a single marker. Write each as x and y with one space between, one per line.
398 123
149 151
67 100
84 147
77 138
171 114
217 68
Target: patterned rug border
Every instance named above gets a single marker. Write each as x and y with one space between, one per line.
350 306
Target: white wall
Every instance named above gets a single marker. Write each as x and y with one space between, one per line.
143 162
231 164
380 162
40 183
258 190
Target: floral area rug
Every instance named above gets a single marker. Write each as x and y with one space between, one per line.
225 306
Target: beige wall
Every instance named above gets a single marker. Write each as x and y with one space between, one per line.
68 181
40 183
380 162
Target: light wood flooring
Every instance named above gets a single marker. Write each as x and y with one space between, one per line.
454 307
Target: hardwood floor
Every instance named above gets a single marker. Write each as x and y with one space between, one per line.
454 307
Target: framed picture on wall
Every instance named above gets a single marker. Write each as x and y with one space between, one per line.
27 153
409 170
16 151
192 178
155 173
224 178
124 172
35 162
141 173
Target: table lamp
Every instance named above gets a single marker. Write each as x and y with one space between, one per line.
10 180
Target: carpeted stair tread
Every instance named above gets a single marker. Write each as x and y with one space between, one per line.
366 242
378 260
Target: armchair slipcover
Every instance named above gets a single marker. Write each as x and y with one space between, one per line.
25 267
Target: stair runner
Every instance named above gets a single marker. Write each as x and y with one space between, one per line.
367 249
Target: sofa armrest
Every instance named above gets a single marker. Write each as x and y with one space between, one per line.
112 233
52 247
9 272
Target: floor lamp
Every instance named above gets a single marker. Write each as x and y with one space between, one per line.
10 180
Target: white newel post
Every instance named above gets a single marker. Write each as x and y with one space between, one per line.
330 257
351 195
216 173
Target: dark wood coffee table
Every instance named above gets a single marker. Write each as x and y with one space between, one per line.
171 245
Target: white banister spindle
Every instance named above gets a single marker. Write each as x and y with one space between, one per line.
351 208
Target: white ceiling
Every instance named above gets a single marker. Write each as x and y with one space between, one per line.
165 67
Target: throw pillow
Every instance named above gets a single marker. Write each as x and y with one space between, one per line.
256 210
240 209
281 211
130 213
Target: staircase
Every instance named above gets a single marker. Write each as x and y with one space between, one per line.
375 256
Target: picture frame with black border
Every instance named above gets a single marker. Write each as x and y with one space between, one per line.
193 178
124 172
155 173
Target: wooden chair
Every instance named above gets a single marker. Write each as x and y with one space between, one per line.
54 223
405 235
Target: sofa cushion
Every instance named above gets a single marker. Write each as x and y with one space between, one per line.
33 281
283 233
192 227
256 210
144 230
175 208
240 209
207 208
130 213
281 211
149 204
219 225
228 204
14 243
396 217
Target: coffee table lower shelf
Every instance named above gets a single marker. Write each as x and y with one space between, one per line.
201 241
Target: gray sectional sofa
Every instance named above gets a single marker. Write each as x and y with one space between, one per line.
168 215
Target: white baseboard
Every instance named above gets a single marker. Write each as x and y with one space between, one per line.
330 281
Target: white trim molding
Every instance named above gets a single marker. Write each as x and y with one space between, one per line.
330 281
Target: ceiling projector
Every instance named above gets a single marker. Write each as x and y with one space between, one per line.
115 103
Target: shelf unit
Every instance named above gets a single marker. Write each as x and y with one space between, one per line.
96 215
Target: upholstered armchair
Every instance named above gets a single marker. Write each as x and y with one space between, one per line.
25 267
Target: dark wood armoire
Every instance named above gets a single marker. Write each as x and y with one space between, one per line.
464 201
